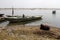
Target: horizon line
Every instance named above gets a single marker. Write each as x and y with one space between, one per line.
34 8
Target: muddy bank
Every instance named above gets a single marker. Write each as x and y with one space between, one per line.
22 32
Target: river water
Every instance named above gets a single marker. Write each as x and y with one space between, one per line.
4 24
47 16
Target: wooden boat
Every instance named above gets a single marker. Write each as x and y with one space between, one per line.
26 19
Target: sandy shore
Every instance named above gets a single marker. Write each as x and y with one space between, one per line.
22 32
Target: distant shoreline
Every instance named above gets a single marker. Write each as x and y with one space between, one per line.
32 8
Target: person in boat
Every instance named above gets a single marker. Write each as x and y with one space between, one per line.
23 16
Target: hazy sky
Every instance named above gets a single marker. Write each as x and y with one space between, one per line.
30 3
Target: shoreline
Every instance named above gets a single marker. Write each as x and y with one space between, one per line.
23 32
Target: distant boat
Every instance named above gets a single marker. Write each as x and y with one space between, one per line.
53 12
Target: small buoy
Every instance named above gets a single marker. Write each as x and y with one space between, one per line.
54 12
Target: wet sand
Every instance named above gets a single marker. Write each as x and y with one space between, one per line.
22 32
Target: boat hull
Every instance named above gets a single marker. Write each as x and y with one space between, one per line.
21 20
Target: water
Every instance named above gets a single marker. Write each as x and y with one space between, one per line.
48 17
4 24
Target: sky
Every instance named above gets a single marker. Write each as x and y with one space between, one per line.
30 3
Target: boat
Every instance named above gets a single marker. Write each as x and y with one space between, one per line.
54 12
21 19
26 19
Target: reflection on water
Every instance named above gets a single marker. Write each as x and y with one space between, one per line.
4 24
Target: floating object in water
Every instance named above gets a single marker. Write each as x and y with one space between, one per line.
44 27
54 12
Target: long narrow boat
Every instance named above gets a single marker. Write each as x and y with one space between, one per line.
26 19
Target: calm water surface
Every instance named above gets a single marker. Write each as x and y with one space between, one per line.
48 17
